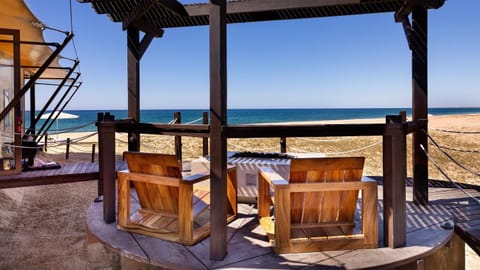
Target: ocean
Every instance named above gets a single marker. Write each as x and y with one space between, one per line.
86 118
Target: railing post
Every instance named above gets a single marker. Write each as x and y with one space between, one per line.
93 152
99 198
283 144
106 145
394 182
205 140
46 142
177 116
67 152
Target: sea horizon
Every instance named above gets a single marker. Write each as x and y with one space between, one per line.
87 117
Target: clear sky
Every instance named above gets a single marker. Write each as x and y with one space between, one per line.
352 61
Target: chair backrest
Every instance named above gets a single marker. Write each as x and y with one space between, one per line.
326 206
155 196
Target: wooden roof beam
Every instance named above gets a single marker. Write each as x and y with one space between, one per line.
267 5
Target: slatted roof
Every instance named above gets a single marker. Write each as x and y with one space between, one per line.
156 14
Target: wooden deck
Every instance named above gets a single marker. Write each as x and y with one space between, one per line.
429 230
68 173
467 216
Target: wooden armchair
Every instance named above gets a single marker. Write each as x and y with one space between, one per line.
315 209
172 207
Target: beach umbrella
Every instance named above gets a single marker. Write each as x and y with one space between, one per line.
59 115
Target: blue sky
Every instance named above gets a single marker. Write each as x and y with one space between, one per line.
354 61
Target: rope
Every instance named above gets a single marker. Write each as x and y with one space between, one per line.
450 157
66 130
322 140
304 151
459 150
250 149
196 120
20 146
296 150
83 137
73 141
446 176
118 140
454 131
354 150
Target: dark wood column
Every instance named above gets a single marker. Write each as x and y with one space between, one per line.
133 69
106 145
218 119
394 182
136 49
17 110
32 110
420 102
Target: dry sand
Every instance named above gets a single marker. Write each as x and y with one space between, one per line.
44 227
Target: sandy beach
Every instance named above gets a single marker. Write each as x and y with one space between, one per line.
44 227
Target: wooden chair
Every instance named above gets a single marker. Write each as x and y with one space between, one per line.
315 209
172 207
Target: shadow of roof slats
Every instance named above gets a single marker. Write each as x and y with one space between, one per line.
239 12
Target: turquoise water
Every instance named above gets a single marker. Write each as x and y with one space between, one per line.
245 116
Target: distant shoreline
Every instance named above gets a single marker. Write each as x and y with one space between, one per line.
435 121
273 108
250 116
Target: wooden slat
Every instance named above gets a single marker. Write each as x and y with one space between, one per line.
185 213
123 205
68 173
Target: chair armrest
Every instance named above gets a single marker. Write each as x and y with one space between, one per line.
150 178
195 178
333 186
271 176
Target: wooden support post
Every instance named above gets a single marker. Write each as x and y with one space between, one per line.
93 152
177 116
32 111
17 108
205 140
67 152
420 103
46 142
133 70
106 143
394 183
283 144
99 198
135 51
218 119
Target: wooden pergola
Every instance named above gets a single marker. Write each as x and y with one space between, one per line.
152 16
